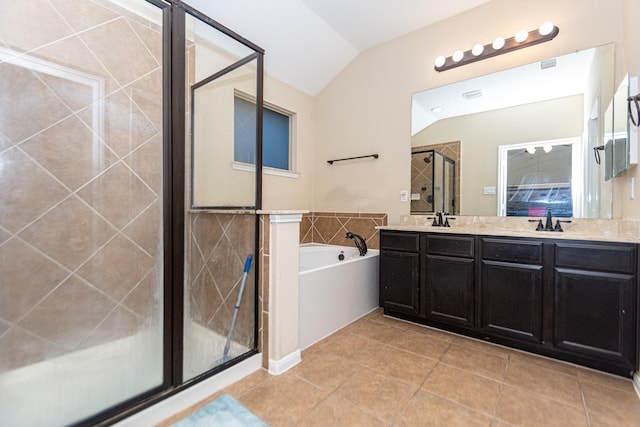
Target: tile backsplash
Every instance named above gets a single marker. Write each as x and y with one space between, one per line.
331 227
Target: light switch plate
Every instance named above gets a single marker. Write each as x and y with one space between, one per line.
489 190
404 196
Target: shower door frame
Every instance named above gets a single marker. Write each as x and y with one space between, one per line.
174 140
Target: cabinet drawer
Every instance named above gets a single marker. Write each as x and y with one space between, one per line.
459 246
409 242
611 257
512 250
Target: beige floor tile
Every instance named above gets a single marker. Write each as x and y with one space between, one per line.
389 321
485 347
600 420
282 400
420 344
556 365
463 387
356 348
325 370
374 330
612 402
547 383
334 411
402 365
527 409
484 364
375 393
426 409
613 381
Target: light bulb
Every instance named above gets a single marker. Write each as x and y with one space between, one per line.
477 49
531 149
547 148
498 43
440 60
521 36
546 28
457 56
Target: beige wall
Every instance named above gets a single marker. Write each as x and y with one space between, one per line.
283 192
481 134
367 107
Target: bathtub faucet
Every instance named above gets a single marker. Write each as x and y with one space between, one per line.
359 241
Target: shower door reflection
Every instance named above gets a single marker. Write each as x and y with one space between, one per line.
432 182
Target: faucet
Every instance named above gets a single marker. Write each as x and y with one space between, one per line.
439 220
549 223
359 242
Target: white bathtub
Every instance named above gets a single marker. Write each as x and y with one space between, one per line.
334 293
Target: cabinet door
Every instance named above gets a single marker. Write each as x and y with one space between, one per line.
594 314
449 285
399 281
511 300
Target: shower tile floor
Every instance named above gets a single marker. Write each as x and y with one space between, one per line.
380 371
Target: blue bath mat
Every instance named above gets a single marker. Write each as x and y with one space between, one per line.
224 411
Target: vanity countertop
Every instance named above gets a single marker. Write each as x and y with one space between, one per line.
607 230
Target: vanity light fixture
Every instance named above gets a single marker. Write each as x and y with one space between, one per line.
547 148
531 149
523 38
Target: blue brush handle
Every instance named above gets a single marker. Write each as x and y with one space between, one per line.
247 264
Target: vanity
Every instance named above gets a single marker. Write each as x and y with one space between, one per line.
571 295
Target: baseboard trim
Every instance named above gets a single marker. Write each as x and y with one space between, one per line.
277 367
636 383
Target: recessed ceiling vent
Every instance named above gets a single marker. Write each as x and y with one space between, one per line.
548 63
472 94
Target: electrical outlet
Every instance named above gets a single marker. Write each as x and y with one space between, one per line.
404 196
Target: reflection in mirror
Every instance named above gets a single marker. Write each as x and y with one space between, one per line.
535 177
555 99
434 177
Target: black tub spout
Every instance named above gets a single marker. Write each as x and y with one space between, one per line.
359 241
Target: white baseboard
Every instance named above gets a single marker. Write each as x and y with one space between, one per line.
276 367
636 382
194 394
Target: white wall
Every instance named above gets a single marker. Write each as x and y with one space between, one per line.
367 108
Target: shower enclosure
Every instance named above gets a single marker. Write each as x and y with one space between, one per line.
115 287
432 182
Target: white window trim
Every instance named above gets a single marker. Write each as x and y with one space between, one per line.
248 167
293 138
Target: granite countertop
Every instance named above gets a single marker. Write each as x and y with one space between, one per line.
607 230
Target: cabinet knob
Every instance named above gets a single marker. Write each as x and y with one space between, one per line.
624 311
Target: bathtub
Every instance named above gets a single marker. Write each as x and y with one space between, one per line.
334 292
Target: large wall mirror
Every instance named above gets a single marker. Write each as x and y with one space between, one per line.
560 103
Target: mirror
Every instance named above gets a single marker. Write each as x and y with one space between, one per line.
433 182
555 99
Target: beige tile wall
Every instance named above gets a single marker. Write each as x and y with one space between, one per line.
80 178
331 227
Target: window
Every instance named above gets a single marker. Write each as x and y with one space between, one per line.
276 134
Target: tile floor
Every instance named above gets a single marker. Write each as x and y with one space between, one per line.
379 371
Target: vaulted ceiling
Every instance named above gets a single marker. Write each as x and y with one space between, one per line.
308 42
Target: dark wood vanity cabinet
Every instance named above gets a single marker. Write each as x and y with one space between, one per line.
594 305
449 282
573 300
511 288
400 273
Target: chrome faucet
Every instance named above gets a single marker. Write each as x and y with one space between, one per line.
359 241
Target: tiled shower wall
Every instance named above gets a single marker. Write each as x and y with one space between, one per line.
80 178
331 227
219 245
450 150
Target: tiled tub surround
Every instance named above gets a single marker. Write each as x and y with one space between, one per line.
331 227
614 230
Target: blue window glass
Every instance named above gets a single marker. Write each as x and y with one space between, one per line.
275 135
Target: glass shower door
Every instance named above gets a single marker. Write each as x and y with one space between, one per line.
81 208
220 295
